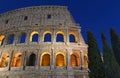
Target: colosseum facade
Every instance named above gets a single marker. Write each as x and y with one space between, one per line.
42 42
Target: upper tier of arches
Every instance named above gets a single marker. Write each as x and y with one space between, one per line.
36 36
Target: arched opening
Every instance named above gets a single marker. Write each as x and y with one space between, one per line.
34 36
11 39
60 36
2 37
72 38
45 60
75 59
47 37
26 17
4 60
17 60
86 61
32 59
60 60
23 38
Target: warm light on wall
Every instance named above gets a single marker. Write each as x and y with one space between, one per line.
86 60
17 60
1 39
45 59
75 59
60 59
4 60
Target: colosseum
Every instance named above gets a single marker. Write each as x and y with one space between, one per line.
42 42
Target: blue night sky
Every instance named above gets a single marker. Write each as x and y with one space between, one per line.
94 15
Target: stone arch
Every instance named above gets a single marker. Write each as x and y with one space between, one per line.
60 36
60 59
32 59
86 61
23 38
34 36
2 37
17 60
75 59
45 59
47 36
4 60
73 35
11 39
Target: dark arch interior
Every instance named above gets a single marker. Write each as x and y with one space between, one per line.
23 38
35 38
47 37
32 59
60 38
72 38
11 39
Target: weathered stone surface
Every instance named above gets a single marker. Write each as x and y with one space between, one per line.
41 19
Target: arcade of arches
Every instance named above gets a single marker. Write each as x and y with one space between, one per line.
46 37
45 59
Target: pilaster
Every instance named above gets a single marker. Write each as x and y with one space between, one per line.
40 40
28 37
67 35
82 59
68 59
52 59
54 36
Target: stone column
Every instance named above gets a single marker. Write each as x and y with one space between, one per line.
16 38
6 39
67 36
52 59
1 54
84 76
24 60
40 36
37 60
54 36
68 58
82 59
28 37
79 39
10 61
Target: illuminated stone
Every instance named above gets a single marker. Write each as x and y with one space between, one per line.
40 59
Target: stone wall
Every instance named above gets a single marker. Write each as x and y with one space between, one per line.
42 19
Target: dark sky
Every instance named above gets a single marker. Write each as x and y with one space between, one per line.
94 15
